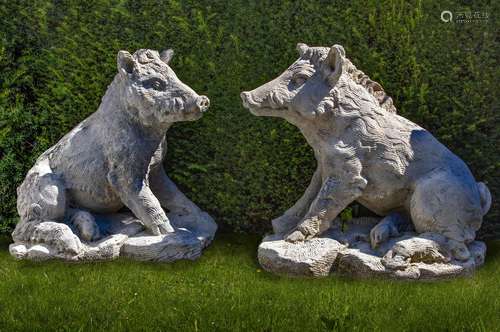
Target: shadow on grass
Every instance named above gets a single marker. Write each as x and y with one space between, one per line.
493 250
5 240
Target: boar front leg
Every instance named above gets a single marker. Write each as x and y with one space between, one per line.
168 194
138 197
334 196
293 215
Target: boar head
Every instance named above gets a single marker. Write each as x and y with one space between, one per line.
152 91
302 90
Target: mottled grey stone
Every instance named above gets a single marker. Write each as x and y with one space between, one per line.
17 250
356 263
190 238
39 252
105 249
312 258
162 248
70 200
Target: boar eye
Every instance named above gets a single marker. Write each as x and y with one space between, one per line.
300 78
154 83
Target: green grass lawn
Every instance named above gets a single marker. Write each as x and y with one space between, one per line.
226 290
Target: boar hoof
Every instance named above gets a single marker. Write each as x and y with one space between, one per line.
295 236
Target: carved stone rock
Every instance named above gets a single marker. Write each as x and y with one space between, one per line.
367 153
349 253
72 199
186 243
312 258
125 236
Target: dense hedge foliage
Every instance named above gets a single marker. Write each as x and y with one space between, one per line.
57 58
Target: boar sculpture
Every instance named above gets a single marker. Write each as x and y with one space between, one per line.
111 160
367 153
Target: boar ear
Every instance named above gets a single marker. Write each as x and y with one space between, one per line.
302 49
126 62
167 55
335 60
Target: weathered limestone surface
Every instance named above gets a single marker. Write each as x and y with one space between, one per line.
367 153
71 200
125 236
312 258
409 256
186 243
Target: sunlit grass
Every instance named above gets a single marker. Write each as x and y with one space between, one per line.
226 290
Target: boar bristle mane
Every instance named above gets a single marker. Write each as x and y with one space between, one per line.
373 87
316 55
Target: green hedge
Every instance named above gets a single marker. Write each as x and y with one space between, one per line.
57 58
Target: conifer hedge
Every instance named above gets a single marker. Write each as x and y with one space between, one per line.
57 58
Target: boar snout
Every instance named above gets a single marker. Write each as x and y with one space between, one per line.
245 98
198 104
202 103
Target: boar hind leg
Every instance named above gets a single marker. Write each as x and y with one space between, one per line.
334 196
41 197
292 216
42 205
446 205
169 196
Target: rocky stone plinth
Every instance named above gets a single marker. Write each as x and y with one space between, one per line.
123 236
347 251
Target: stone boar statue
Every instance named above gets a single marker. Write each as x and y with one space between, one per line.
113 159
369 154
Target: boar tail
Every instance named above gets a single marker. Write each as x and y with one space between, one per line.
485 194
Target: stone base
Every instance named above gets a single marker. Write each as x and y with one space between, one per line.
124 237
410 256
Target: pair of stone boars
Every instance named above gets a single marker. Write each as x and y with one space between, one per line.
71 199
